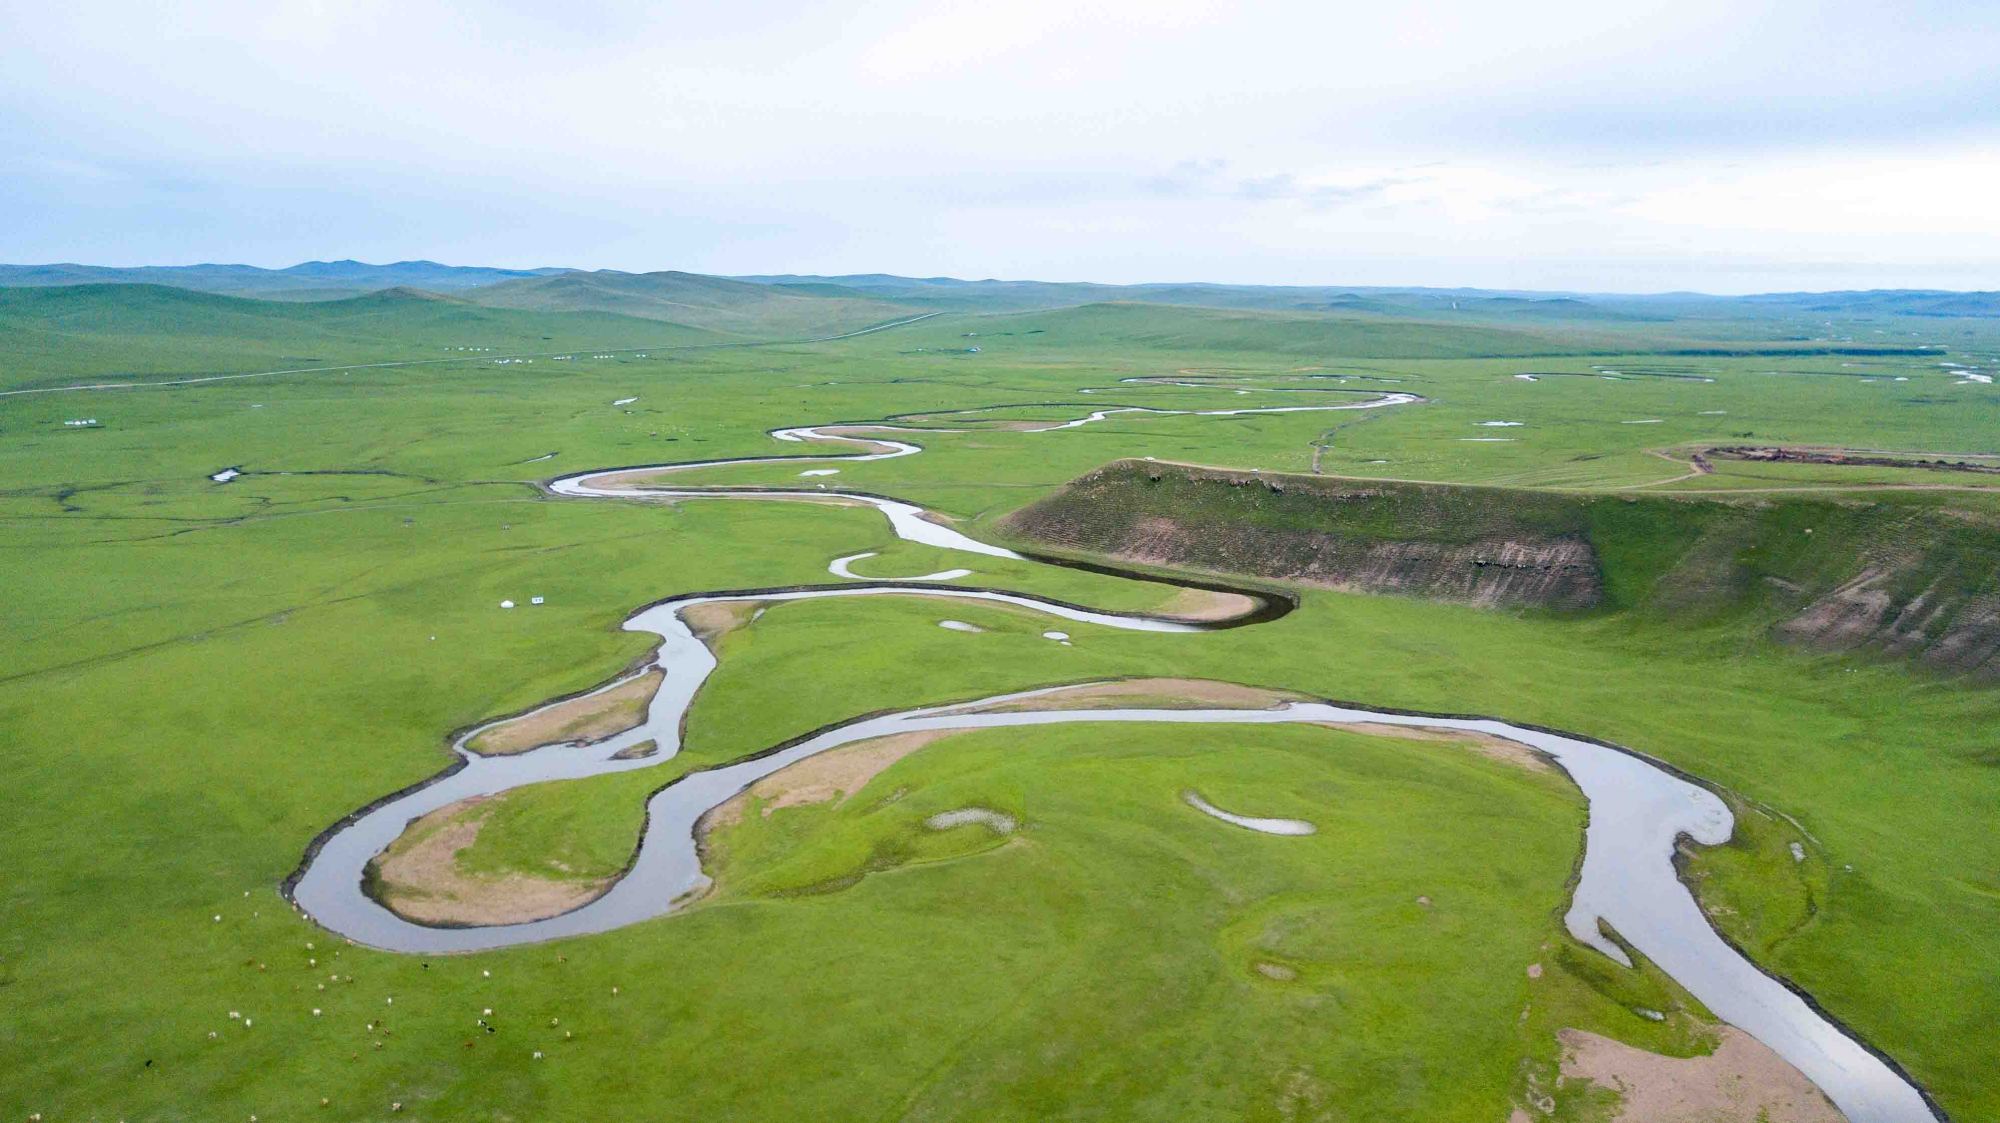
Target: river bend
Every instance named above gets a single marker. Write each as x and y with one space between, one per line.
1628 882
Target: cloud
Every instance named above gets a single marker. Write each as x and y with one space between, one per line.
1188 177
1210 178
1296 139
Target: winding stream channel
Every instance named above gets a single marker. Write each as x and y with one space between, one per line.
1638 808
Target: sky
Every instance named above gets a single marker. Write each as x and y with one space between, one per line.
1735 146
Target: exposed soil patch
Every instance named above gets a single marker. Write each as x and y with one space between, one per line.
710 622
861 433
592 717
1841 456
824 778
964 816
1152 693
1741 1082
1206 605
640 478
1937 622
418 876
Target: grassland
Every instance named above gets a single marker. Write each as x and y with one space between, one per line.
707 303
202 676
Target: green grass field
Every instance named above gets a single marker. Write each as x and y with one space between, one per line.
200 677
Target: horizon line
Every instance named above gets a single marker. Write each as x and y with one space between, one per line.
757 277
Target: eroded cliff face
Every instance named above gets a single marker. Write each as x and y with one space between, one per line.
1560 573
1915 582
1317 532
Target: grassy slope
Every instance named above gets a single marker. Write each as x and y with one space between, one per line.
1196 330
201 653
1392 331
1106 835
116 332
711 303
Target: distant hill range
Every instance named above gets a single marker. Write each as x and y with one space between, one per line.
53 333
58 334
311 280
955 294
952 294
1888 302
800 301
711 303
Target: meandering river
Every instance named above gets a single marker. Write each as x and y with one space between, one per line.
1639 809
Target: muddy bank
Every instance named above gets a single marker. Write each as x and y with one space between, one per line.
829 777
420 879
1741 1082
1208 605
710 622
584 719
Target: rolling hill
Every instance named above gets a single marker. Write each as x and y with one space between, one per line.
804 305
711 303
115 331
1888 302
994 295
1186 330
